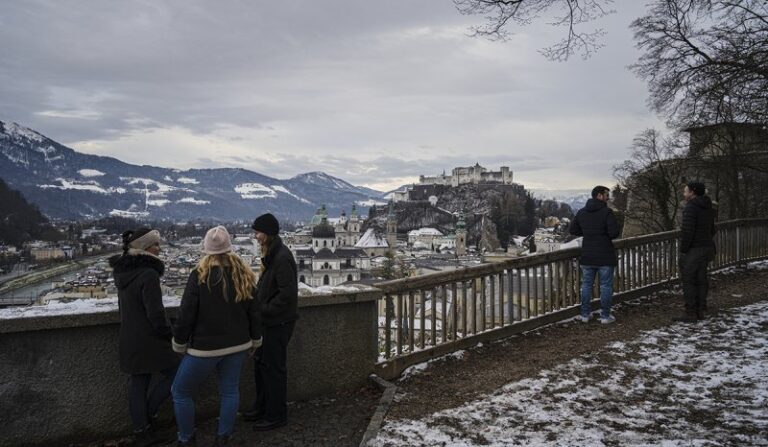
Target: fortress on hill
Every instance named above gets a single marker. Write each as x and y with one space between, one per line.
473 174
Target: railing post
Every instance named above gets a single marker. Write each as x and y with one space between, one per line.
738 244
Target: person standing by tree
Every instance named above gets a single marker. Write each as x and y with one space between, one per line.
597 224
697 248
145 336
278 291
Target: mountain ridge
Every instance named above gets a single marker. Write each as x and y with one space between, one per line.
67 184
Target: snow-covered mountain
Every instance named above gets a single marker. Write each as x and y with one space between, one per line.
575 198
68 184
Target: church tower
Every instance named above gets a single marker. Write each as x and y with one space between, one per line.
461 236
353 227
392 227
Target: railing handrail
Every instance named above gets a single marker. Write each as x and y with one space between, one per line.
468 273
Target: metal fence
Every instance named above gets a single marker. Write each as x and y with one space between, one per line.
432 315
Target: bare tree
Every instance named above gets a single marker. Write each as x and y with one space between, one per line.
571 14
705 60
652 176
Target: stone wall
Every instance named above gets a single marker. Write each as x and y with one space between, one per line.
60 380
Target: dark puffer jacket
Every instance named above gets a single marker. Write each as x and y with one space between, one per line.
212 324
597 224
698 224
278 288
145 336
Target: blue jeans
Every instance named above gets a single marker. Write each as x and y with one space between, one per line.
606 289
192 372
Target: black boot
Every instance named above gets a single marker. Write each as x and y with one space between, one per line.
686 318
252 415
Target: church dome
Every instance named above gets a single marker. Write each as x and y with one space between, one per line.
323 230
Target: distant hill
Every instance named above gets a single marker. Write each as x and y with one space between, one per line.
64 183
20 221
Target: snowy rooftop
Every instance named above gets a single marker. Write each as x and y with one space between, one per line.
371 240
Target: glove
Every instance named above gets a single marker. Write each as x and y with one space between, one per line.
179 348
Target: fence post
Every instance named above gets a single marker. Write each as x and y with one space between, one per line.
738 246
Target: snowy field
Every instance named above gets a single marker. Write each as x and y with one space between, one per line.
702 384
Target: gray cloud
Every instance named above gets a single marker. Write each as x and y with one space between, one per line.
373 92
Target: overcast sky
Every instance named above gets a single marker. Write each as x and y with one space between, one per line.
374 92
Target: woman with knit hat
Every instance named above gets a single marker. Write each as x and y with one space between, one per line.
218 323
145 336
278 294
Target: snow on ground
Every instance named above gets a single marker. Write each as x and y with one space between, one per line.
193 201
255 191
702 384
188 181
90 173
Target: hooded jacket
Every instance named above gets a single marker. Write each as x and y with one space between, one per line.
698 224
278 288
597 224
145 336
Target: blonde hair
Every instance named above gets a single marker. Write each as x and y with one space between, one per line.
242 275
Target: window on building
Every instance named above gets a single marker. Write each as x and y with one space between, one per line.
301 264
316 242
349 278
326 280
302 279
325 243
349 263
326 265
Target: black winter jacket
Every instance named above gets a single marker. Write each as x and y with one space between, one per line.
211 324
145 336
278 288
698 224
596 223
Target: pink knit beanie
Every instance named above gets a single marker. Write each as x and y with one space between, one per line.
216 241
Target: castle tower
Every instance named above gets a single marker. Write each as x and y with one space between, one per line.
461 236
392 227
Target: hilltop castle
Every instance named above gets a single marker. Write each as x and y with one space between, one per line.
473 174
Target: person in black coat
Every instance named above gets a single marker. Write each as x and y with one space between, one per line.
697 248
145 336
598 226
278 291
218 324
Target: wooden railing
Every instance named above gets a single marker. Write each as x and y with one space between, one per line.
432 315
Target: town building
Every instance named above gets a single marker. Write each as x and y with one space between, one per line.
472 174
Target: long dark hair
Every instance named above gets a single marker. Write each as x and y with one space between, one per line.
131 235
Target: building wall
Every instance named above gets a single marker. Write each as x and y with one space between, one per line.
60 381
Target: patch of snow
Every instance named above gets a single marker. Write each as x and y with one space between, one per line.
158 202
90 173
193 201
131 214
17 131
87 185
187 181
81 306
332 290
255 191
162 188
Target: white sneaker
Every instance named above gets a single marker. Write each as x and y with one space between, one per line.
583 319
610 319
